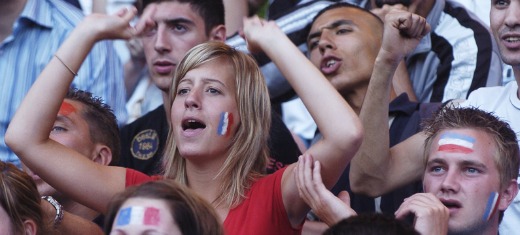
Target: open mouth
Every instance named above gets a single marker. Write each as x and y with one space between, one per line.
450 204
192 124
512 39
330 63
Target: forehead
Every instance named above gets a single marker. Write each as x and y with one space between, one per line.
219 69
69 106
356 16
463 144
167 11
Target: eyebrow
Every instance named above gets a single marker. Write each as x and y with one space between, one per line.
462 163
334 25
175 21
436 160
204 80
473 163
64 119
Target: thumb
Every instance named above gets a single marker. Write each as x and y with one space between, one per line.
345 197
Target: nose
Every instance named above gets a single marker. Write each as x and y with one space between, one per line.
192 100
162 41
512 18
450 182
326 41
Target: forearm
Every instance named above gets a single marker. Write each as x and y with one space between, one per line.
338 123
73 224
235 10
34 118
368 168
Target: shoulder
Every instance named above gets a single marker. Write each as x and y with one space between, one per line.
63 14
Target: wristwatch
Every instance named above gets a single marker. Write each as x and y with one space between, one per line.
59 209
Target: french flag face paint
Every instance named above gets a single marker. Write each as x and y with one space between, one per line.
224 126
456 143
137 215
491 206
66 108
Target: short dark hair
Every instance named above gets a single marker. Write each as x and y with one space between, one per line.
371 224
101 121
191 213
211 11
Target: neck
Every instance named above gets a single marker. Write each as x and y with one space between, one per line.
9 12
516 72
79 210
355 98
203 181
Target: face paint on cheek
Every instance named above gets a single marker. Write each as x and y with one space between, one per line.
138 216
224 126
66 108
456 143
491 206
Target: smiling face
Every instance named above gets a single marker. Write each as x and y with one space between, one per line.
178 29
343 43
139 216
462 173
72 130
505 25
203 95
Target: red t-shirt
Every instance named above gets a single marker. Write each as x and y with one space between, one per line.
262 212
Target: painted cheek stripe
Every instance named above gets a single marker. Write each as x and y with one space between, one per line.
491 206
138 216
66 108
226 121
452 142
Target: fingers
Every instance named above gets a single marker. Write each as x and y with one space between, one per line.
305 182
344 197
421 205
408 24
146 20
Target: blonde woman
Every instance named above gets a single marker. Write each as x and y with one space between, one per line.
219 120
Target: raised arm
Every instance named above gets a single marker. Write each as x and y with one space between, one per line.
28 134
376 168
339 124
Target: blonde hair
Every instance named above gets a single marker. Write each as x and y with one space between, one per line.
248 153
20 198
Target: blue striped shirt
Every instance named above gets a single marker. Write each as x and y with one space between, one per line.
38 32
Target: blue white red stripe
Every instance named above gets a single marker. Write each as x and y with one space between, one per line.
137 215
491 206
224 126
454 142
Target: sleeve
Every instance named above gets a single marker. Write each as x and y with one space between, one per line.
134 177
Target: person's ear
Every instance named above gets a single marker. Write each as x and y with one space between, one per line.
30 227
508 194
218 33
103 155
